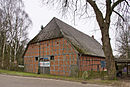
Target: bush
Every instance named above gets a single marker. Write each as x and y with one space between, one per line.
74 70
85 75
93 74
12 67
15 67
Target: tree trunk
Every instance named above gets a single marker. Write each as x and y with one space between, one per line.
110 62
3 55
10 59
15 52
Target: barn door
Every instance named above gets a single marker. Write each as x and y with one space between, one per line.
45 65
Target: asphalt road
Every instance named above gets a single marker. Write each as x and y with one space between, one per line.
18 81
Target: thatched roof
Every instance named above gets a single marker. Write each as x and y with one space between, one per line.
83 43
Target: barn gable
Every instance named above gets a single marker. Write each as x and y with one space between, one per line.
83 43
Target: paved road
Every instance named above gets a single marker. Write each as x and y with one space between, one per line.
17 81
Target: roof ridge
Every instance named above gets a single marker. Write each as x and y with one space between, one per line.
55 19
71 26
79 44
83 43
63 28
68 32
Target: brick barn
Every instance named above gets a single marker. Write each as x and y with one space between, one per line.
59 48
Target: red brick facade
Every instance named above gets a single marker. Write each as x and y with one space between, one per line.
64 56
88 63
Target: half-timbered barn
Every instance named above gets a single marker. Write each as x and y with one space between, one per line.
59 49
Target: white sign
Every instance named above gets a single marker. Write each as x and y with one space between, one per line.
45 64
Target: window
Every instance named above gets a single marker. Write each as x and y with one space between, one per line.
36 58
52 57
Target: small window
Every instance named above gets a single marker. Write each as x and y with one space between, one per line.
52 57
36 58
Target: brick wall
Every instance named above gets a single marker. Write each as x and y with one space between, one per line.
64 56
88 63
31 65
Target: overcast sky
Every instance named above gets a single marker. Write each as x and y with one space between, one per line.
42 15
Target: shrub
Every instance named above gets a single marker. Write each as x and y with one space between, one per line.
93 74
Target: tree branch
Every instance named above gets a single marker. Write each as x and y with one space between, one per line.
66 3
75 10
127 3
98 13
119 15
108 5
116 3
108 11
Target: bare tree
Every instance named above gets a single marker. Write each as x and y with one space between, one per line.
3 31
15 24
103 10
123 38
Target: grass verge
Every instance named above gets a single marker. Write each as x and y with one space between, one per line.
37 75
91 81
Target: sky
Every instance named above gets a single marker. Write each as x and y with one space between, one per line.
42 15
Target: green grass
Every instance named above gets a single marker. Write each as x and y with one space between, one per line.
37 75
92 81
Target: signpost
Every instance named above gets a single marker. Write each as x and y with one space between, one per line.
103 64
45 64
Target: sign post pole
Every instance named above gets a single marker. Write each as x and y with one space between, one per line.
103 65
